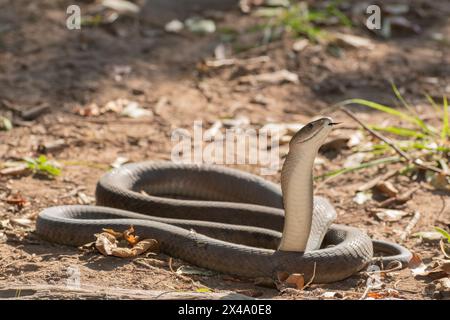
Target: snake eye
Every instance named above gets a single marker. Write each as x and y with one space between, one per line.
309 126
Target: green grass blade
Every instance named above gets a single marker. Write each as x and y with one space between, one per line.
387 110
433 104
410 109
445 130
341 171
444 233
402 100
399 131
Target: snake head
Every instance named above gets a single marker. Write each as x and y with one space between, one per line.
314 132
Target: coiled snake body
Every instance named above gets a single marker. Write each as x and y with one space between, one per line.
226 220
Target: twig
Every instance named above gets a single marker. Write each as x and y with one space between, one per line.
399 199
170 265
312 278
386 140
410 226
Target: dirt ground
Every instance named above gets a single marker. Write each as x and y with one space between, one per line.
44 63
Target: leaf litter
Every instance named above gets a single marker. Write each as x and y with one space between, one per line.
123 244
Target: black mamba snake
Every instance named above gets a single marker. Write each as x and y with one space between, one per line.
227 220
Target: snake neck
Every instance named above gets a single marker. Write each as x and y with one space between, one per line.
297 189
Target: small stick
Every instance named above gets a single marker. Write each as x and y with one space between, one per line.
403 154
410 226
399 199
312 278
170 265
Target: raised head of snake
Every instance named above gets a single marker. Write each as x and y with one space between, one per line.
297 183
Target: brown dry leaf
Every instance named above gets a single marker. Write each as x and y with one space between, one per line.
388 293
117 235
17 199
105 243
375 295
297 280
436 270
415 261
141 247
416 265
130 237
387 188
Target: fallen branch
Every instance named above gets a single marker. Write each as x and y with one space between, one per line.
43 291
401 153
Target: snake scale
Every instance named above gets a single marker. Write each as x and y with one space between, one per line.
225 219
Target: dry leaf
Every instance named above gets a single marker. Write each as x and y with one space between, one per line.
116 234
391 215
386 188
16 199
388 293
437 270
105 243
139 248
130 237
297 280
415 261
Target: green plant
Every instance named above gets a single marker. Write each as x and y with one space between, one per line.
444 233
42 165
424 145
302 20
